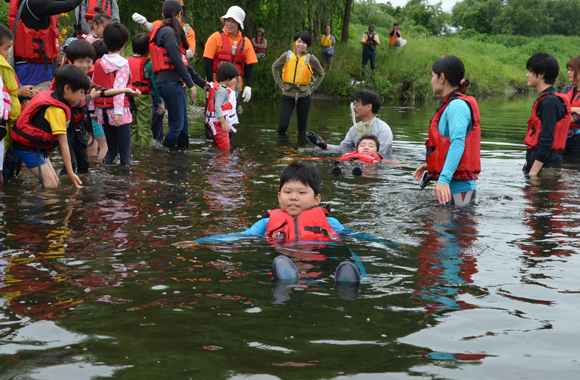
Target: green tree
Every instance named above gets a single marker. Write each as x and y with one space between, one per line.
478 15
564 14
524 18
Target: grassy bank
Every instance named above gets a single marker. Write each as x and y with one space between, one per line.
494 64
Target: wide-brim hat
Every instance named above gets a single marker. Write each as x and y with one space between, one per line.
237 14
260 30
179 1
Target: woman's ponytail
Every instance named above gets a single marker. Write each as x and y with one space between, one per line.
454 71
171 10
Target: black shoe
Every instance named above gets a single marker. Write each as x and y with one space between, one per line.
357 171
336 170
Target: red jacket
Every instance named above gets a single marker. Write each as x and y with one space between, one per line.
138 80
366 158
310 225
562 125
32 130
225 54
438 146
575 102
37 46
106 80
159 56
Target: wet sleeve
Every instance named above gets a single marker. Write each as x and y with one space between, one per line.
549 112
57 120
457 118
365 237
258 229
335 224
221 97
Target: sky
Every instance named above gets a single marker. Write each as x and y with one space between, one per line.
445 4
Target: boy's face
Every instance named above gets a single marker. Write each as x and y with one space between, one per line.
361 111
5 48
73 97
85 64
295 197
534 80
367 145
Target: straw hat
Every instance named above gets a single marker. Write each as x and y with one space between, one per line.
237 14
260 30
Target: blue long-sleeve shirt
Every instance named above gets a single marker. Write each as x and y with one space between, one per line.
453 124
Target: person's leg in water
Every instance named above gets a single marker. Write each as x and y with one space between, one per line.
302 111
156 120
34 161
287 105
81 152
463 199
111 143
183 138
123 135
172 93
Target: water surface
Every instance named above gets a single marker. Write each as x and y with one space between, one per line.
92 288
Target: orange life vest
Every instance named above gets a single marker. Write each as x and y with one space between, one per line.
107 6
309 225
32 131
562 125
366 158
159 55
228 109
35 46
574 102
438 146
106 80
138 80
225 54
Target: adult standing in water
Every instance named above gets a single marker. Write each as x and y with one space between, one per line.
327 42
573 93
231 45
298 67
168 47
369 41
453 147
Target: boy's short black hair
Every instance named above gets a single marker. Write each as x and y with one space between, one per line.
370 137
544 63
141 44
115 36
100 49
303 172
73 76
5 34
368 97
226 71
79 49
304 36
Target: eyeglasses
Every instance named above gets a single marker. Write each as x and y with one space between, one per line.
354 104
569 70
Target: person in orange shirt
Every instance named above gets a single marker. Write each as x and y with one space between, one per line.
394 35
150 26
231 45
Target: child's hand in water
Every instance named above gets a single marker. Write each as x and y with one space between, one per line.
185 244
225 127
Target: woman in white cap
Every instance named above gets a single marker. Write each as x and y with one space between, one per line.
230 45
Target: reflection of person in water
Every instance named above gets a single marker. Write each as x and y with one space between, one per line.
446 261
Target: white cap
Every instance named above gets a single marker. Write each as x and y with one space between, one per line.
237 14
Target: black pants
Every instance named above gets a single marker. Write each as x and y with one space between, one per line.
77 146
287 107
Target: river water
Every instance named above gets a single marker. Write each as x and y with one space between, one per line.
92 288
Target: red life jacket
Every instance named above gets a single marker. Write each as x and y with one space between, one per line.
228 109
225 54
107 6
36 46
159 55
138 80
106 80
562 125
575 102
6 104
310 225
438 146
259 41
32 131
365 158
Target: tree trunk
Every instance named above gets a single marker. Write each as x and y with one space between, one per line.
331 16
346 21
309 22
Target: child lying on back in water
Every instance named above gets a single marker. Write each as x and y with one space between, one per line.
366 152
299 218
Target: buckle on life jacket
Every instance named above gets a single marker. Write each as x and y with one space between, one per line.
430 150
316 229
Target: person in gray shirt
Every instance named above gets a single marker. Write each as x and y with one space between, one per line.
109 6
366 105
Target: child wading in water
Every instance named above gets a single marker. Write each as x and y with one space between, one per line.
221 105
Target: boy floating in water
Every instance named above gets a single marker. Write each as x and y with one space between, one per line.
366 152
299 219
